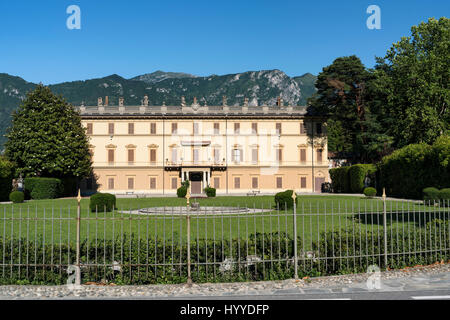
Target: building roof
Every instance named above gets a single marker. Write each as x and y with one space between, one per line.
195 111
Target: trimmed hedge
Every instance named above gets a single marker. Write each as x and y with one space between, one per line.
6 176
181 192
43 188
17 197
100 202
370 192
407 171
210 192
284 200
357 175
431 194
444 194
340 180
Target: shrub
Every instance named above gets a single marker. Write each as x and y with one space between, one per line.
43 188
181 192
102 202
284 199
430 194
210 192
357 175
17 197
326 187
370 192
444 194
339 180
6 176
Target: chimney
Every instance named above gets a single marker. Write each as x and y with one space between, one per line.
245 102
224 101
121 102
106 101
100 102
146 101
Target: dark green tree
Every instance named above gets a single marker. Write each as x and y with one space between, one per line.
414 78
46 138
343 91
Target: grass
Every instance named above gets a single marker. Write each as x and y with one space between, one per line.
54 220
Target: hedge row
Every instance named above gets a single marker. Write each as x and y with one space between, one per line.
43 188
351 179
6 176
434 194
334 252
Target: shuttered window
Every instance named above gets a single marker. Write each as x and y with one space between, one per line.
255 156
131 128
130 183
303 182
254 182
89 128
216 128
237 183
111 128
174 183
237 128
319 155
279 154
131 155
111 156
279 182
254 128
152 155
216 183
217 155
152 183
278 128
111 183
152 128
174 128
302 128
302 155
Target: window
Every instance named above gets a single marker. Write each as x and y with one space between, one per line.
302 128
216 128
152 128
237 128
152 183
303 182
302 155
174 128
111 156
236 155
153 156
254 128
279 155
278 128
319 155
195 128
237 182
89 128
131 128
130 156
216 155
174 183
216 183
254 182
279 182
111 128
195 156
255 156
318 128
111 183
130 183
174 155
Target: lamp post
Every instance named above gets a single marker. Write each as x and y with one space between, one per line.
188 227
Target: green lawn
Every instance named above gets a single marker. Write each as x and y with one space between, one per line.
54 220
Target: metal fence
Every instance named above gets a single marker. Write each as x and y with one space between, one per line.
218 243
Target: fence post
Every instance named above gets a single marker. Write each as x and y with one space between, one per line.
78 269
188 227
385 230
295 235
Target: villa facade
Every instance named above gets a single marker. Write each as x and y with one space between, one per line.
235 149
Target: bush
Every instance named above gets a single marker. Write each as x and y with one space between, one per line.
210 192
357 175
43 188
181 192
102 202
6 176
17 197
444 194
284 199
370 192
430 194
339 180
326 187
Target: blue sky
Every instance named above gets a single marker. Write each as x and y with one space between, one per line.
196 36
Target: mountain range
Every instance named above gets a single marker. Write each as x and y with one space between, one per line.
260 87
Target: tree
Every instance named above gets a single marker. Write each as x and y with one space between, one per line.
343 89
414 76
46 138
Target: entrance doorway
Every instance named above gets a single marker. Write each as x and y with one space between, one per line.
196 179
318 184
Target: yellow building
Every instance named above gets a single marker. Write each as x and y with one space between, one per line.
235 149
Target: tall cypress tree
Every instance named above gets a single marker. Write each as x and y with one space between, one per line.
46 138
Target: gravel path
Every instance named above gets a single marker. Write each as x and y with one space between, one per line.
417 278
